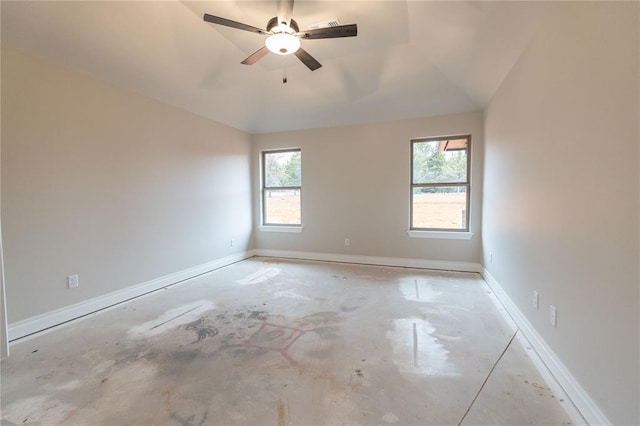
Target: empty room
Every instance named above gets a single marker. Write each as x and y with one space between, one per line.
320 212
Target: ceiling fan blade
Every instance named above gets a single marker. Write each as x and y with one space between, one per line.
255 56
233 24
285 9
307 59
350 30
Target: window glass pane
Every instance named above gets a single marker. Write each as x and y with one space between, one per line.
440 161
440 207
282 207
282 169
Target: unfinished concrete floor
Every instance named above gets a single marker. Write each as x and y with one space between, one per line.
278 342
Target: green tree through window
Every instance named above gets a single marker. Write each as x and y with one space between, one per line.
440 183
281 187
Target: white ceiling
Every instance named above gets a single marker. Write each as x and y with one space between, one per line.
410 58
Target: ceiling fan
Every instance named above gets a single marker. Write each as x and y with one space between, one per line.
284 35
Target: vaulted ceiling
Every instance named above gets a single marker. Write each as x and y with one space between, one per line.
410 58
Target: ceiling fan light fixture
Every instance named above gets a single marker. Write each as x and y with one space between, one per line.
282 43
284 34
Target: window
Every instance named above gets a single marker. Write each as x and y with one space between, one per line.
440 169
281 187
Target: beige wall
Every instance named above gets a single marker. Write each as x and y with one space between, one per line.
356 185
560 211
109 185
4 334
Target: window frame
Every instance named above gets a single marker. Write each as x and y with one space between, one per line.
467 184
284 227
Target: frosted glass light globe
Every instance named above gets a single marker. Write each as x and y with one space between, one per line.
283 43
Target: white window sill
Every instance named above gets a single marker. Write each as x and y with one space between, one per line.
276 228
443 235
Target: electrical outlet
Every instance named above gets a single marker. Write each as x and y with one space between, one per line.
231 243
72 280
553 316
347 242
491 258
536 300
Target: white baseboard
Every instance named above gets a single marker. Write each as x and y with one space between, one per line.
559 372
586 406
47 320
372 260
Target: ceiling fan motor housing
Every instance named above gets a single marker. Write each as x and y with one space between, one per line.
273 22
